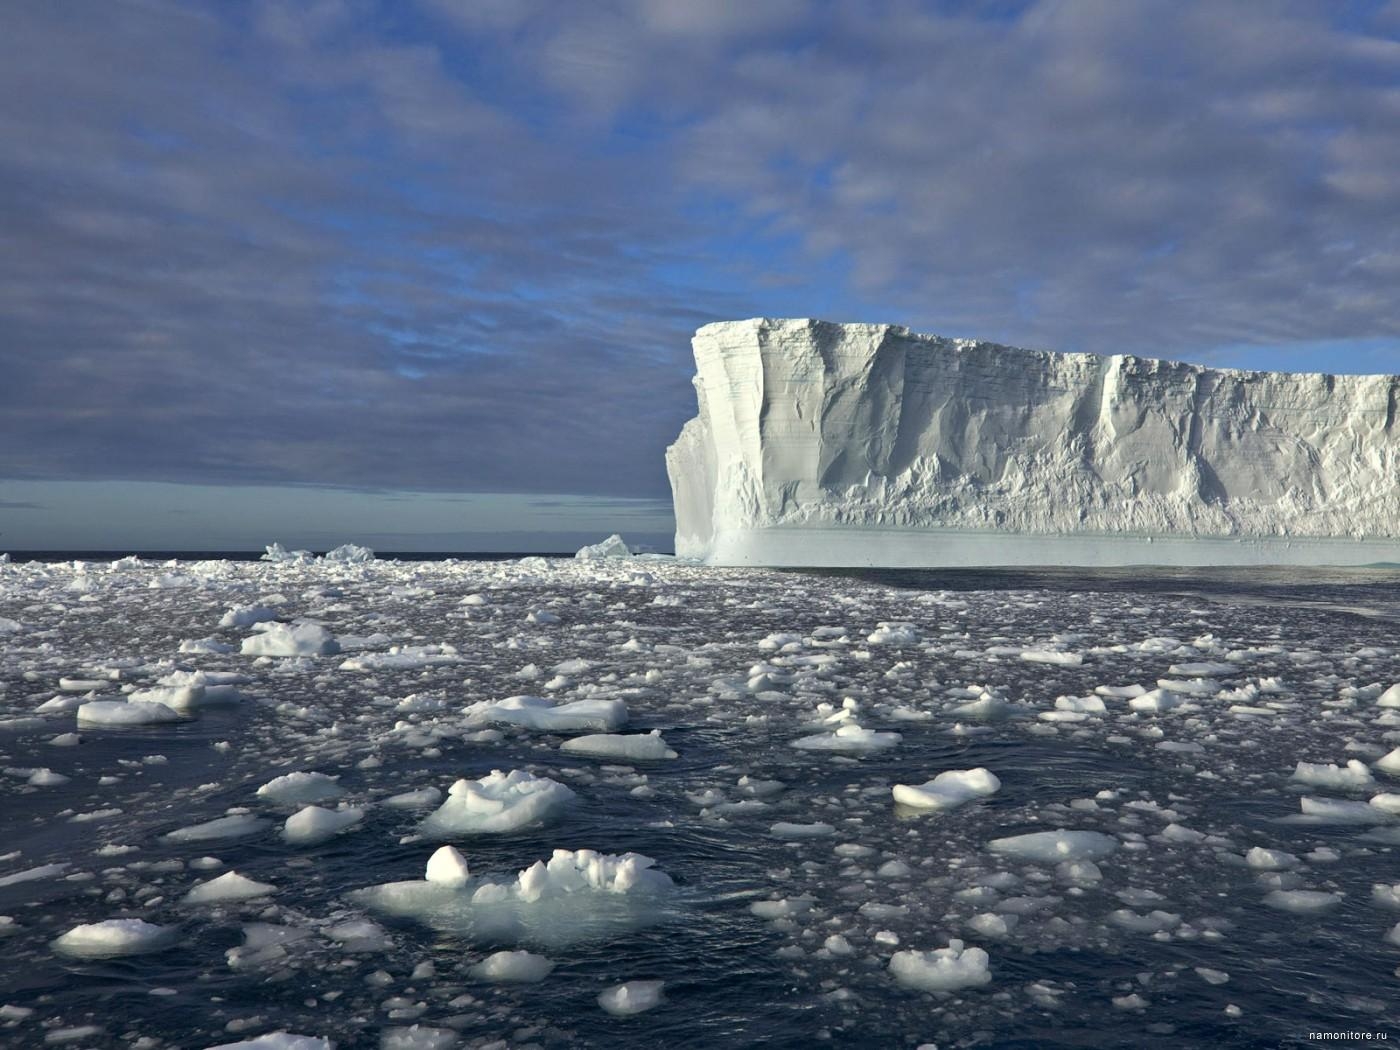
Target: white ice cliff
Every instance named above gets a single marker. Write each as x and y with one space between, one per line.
856 444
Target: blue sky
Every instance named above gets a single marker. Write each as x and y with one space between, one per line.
397 272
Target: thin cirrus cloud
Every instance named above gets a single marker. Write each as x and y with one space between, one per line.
458 246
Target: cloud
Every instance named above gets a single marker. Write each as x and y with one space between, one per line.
460 246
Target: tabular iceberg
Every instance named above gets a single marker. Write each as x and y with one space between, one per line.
856 444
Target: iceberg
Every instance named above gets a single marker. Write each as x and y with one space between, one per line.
856 444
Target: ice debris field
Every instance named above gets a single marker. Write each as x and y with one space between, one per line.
623 801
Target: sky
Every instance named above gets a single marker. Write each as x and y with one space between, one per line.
422 273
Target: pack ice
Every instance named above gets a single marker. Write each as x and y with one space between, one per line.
862 444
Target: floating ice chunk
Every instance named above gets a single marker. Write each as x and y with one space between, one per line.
784 908
1302 902
1052 656
793 832
893 633
536 712
117 713
1152 922
1205 669
113 938
635 747
1156 702
989 924
279 1040
278 554
518 967
612 547
576 896
43 871
420 798
404 658
229 886
419 1037
1389 763
942 970
315 824
850 739
634 997
1119 692
498 802
247 615
542 617
176 697
46 778
1338 811
238 825
447 867
349 554
359 935
1326 775
948 790
298 789
1387 896
1389 698
284 639
1386 802
1049 847
1261 859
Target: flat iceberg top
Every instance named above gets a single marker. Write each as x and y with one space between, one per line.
822 443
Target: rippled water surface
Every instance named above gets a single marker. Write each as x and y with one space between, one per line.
1180 937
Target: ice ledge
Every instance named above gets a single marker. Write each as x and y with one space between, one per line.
821 443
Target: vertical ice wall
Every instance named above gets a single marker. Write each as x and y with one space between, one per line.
835 428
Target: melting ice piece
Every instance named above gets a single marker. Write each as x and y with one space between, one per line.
447 867
850 739
235 826
280 1040
948 790
315 824
247 615
125 713
1389 698
229 886
1337 811
1302 902
114 938
942 970
519 967
285 639
612 547
499 802
535 712
578 895
1389 763
634 997
635 747
1051 847
1326 775
298 789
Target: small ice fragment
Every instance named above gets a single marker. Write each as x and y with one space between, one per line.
634 997
447 867
280 1041
1326 775
948 790
113 938
849 739
231 827
498 802
518 967
125 713
298 789
1048 847
282 639
229 886
315 824
1302 902
942 970
1261 859
634 747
